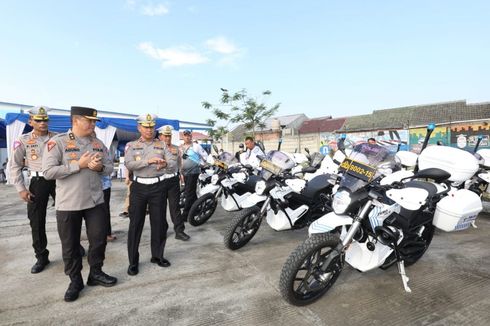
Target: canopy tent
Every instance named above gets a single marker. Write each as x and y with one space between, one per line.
3 133
105 129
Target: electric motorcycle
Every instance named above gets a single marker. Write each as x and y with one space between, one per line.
285 201
374 224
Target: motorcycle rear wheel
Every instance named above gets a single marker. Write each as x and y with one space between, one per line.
302 280
202 209
242 228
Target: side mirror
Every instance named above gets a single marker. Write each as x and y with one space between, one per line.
307 150
215 148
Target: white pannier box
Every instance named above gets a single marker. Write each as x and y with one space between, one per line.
457 211
461 164
485 154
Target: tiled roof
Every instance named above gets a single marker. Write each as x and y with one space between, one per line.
324 124
418 115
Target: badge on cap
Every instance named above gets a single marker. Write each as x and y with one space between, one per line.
42 110
148 117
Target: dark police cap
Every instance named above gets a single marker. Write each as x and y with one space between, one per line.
88 113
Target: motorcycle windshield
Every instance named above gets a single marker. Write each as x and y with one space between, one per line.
280 159
364 164
228 158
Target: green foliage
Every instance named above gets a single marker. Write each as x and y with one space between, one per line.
239 107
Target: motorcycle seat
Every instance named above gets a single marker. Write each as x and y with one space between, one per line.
429 187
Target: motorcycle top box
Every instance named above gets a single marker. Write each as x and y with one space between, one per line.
460 164
485 154
457 211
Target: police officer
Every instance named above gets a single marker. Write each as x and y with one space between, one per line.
28 152
172 183
193 156
146 158
76 160
250 155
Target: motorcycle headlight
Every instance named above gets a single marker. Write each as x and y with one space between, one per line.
341 200
214 179
260 187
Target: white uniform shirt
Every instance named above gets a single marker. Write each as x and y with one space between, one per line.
250 157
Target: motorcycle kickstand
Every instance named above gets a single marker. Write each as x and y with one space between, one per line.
405 279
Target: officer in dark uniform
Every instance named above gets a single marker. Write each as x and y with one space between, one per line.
76 160
27 152
172 183
145 157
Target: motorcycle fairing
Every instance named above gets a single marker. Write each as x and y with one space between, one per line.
329 222
209 189
253 200
360 257
408 198
280 221
297 185
234 201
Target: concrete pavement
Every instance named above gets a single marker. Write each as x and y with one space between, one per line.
210 285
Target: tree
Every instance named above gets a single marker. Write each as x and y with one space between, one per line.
239 107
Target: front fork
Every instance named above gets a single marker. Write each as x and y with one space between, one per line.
263 209
218 193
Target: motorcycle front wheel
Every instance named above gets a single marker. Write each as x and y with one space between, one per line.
311 269
202 209
242 228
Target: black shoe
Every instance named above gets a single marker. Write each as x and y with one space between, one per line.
98 277
182 236
82 251
73 290
133 270
162 262
38 267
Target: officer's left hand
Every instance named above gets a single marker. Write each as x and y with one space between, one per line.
162 164
95 163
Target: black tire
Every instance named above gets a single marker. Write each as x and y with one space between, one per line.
300 282
202 209
242 228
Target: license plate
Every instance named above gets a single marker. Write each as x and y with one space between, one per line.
220 164
269 166
358 169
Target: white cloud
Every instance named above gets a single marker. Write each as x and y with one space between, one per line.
173 57
221 45
154 10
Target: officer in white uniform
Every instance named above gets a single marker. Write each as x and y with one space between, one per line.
249 157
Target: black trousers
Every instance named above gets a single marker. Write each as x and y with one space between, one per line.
141 196
36 212
172 192
107 205
190 181
69 229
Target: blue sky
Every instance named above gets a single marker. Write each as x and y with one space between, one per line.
317 57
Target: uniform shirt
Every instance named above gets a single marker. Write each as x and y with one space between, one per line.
250 156
138 153
76 189
174 160
27 152
196 156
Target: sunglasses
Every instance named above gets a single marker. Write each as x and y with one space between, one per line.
39 121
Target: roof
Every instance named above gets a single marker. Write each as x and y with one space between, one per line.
418 115
323 124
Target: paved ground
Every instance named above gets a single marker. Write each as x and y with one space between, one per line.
210 285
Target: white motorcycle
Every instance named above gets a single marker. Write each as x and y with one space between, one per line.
377 224
231 182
